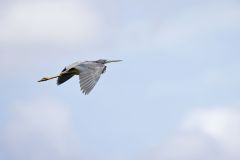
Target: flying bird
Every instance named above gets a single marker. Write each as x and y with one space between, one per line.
89 73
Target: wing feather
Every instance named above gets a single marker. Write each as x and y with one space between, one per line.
89 77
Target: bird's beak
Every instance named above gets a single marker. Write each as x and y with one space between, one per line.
113 61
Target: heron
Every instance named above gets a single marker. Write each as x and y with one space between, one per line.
89 73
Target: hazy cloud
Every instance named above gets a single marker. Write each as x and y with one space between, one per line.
179 28
196 23
40 129
60 29
40 22
177 55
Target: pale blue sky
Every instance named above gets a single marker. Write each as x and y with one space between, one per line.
175 96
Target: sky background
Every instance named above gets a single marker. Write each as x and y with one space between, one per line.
176 95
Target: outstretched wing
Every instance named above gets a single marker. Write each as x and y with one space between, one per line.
89 76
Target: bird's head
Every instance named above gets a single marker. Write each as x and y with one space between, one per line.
104 61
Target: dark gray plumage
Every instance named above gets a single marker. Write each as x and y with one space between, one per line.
89 73
64 77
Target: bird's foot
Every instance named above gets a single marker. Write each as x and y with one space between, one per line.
43 79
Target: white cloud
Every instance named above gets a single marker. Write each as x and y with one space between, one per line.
204 134
55 22
222 125
41 129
